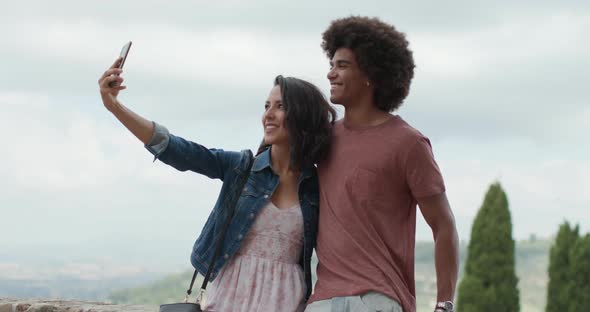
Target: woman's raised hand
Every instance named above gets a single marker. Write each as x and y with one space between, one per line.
108 90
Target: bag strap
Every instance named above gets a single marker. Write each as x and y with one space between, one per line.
230 213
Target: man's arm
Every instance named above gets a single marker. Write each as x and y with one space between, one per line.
438 215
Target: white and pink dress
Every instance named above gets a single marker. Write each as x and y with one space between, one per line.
264 275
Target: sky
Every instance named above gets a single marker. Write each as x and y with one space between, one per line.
499 89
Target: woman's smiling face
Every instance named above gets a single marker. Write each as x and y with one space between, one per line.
273 119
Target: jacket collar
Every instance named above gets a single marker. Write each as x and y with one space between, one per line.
262 161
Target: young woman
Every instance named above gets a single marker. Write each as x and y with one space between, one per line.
266 254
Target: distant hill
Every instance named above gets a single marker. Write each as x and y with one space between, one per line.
532 258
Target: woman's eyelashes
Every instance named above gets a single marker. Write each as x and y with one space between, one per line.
279 106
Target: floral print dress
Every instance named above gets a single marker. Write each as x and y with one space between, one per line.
264 275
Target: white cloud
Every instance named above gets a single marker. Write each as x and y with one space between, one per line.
522 78
54 148
59 147
225 56
511 45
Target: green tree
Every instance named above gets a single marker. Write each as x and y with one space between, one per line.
489 282
579 286
558 299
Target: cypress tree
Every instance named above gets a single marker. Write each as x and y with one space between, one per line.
558 299
490 282
579 286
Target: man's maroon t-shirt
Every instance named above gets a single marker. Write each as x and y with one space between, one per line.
368 189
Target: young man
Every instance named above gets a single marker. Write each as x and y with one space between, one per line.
379 169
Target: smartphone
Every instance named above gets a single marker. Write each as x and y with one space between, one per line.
123 55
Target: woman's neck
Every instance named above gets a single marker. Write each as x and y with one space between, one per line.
280 159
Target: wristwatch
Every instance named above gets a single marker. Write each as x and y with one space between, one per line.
444 306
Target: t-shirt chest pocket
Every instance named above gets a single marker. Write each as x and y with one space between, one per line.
366 185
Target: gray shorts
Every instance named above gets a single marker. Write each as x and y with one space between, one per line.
369 302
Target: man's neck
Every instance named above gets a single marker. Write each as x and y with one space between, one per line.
364 115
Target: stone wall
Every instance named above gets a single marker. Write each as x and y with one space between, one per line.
41 305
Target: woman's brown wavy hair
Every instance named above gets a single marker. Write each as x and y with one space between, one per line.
308 118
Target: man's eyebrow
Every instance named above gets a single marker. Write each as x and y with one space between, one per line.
343 62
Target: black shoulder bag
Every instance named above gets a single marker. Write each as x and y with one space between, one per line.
196 307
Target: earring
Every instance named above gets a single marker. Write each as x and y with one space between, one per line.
368 84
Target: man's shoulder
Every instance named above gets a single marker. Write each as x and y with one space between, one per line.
404 128
399 131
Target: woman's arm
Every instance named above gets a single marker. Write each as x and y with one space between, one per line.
142 128
172 150
186 155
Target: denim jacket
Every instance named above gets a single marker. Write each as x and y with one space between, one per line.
230 167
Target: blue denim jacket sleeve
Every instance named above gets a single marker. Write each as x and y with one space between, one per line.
186 155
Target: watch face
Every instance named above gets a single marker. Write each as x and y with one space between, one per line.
447 306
